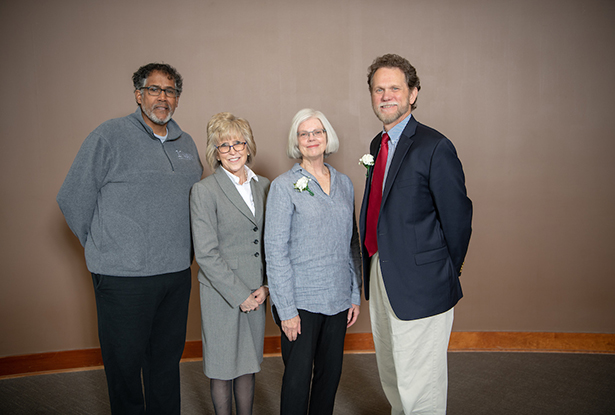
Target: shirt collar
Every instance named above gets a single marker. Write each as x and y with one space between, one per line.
162 138
173 130
395 132
297 168
249 173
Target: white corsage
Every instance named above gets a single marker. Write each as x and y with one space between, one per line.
302 185
367 161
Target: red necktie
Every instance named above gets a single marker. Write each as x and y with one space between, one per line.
375 197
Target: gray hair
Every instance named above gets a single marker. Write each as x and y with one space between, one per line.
333 144
139 78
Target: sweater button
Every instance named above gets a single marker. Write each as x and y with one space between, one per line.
255 241
255 228
256 254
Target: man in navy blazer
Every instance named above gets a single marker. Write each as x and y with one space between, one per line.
415 235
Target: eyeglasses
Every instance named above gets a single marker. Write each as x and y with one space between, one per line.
225 147
155 90
318 133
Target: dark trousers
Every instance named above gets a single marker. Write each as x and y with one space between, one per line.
314 358
142 333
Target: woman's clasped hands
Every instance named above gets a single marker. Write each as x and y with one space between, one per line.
255 299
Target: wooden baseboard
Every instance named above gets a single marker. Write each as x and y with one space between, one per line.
48 362
491 341
71 360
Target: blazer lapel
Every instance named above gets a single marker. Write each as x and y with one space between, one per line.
374 150
405 141
229 189
258 195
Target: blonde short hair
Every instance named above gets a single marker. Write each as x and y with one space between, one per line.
305 114
225 125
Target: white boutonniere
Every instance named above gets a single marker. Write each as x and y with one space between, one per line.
302 185
367 161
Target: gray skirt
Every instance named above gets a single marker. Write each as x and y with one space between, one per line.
232 340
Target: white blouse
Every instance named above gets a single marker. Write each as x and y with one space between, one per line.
245 190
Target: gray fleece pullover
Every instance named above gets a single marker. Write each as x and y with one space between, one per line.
126 197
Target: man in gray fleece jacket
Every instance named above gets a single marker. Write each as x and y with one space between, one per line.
126 197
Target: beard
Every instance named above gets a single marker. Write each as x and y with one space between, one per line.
389 119
150 114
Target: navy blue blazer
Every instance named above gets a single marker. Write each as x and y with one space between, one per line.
424 225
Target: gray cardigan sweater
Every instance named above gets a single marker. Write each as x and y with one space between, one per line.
126 197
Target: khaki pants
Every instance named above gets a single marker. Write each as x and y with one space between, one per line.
411 355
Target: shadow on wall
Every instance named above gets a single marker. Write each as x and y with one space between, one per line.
78 280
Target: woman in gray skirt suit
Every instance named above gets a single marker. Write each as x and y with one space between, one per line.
227 214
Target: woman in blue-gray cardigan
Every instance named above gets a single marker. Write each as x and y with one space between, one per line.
313 265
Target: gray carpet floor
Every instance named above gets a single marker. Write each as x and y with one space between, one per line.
479 383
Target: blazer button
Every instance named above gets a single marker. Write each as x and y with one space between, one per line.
255 241
255 228
256 254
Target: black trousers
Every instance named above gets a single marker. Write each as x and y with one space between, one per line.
314 359
142 333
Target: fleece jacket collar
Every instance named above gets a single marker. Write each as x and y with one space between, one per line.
174 131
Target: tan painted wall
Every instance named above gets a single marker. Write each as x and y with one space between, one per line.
524 89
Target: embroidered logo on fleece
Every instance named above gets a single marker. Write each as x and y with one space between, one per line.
184 156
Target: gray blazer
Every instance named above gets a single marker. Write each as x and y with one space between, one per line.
228 237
